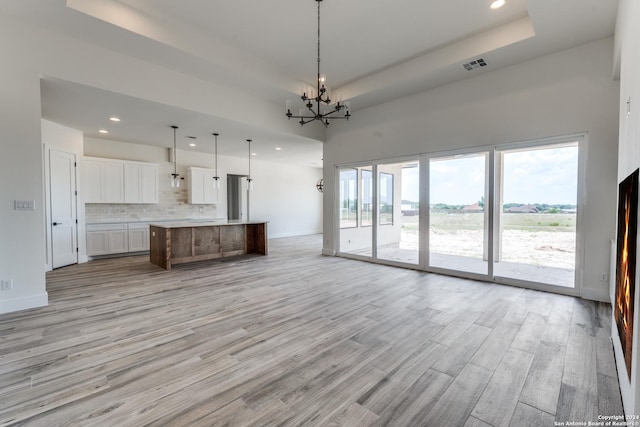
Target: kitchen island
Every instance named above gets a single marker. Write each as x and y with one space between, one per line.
180 242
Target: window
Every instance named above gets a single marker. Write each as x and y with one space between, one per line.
348 198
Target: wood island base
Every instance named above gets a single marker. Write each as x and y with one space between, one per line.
177 243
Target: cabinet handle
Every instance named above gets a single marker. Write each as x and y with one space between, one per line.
57 223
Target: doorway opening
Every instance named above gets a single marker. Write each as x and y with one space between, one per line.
237 198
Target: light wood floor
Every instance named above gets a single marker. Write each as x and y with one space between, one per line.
300 339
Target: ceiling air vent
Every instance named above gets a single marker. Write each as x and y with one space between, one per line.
475 64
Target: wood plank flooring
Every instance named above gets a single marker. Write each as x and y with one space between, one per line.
298 339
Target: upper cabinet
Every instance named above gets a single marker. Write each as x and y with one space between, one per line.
140 183
202 189
119 181
103 181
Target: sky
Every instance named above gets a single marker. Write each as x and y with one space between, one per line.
534 176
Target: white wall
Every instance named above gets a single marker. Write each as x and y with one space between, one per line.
29 52
559 94
627 36
283 194
22 254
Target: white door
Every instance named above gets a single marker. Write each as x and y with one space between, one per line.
64 229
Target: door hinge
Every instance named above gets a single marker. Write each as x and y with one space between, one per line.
75 164
77 250
76 221
76 192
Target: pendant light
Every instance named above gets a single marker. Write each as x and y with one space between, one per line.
249 180
216 178
175 176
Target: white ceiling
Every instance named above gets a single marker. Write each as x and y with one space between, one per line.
144 122
372 51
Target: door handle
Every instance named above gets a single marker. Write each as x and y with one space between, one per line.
57 223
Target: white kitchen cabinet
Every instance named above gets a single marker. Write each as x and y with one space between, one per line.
138 237
105 239
119 181
103 181
201 186
140 182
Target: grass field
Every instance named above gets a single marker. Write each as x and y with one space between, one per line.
510 221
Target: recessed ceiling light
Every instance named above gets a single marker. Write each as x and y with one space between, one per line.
278 148
254 154
114 119
497 4
192 145
103 131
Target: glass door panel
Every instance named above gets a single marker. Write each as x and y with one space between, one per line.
355 210
536 227
367 198
398 226
458 220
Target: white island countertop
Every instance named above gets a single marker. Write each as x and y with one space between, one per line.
189 224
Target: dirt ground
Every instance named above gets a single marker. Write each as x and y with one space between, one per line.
537 239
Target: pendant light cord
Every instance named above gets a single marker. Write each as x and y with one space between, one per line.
175 162
216 153
249 141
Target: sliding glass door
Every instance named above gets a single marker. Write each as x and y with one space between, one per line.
536 222
355 210
398 225
504 213
458 221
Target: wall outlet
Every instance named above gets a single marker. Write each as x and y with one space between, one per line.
604 277
5 285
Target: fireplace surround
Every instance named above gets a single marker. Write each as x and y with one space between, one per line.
623 305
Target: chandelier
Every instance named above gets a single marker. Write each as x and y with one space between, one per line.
315 98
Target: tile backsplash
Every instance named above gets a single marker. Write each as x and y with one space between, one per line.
173 205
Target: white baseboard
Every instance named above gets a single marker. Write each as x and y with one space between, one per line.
24 303
596 294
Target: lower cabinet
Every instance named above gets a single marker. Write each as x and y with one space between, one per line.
138 237
107 239
104 239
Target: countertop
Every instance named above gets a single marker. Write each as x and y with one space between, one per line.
153 221
185 224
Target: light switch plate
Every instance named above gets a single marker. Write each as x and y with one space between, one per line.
25 205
